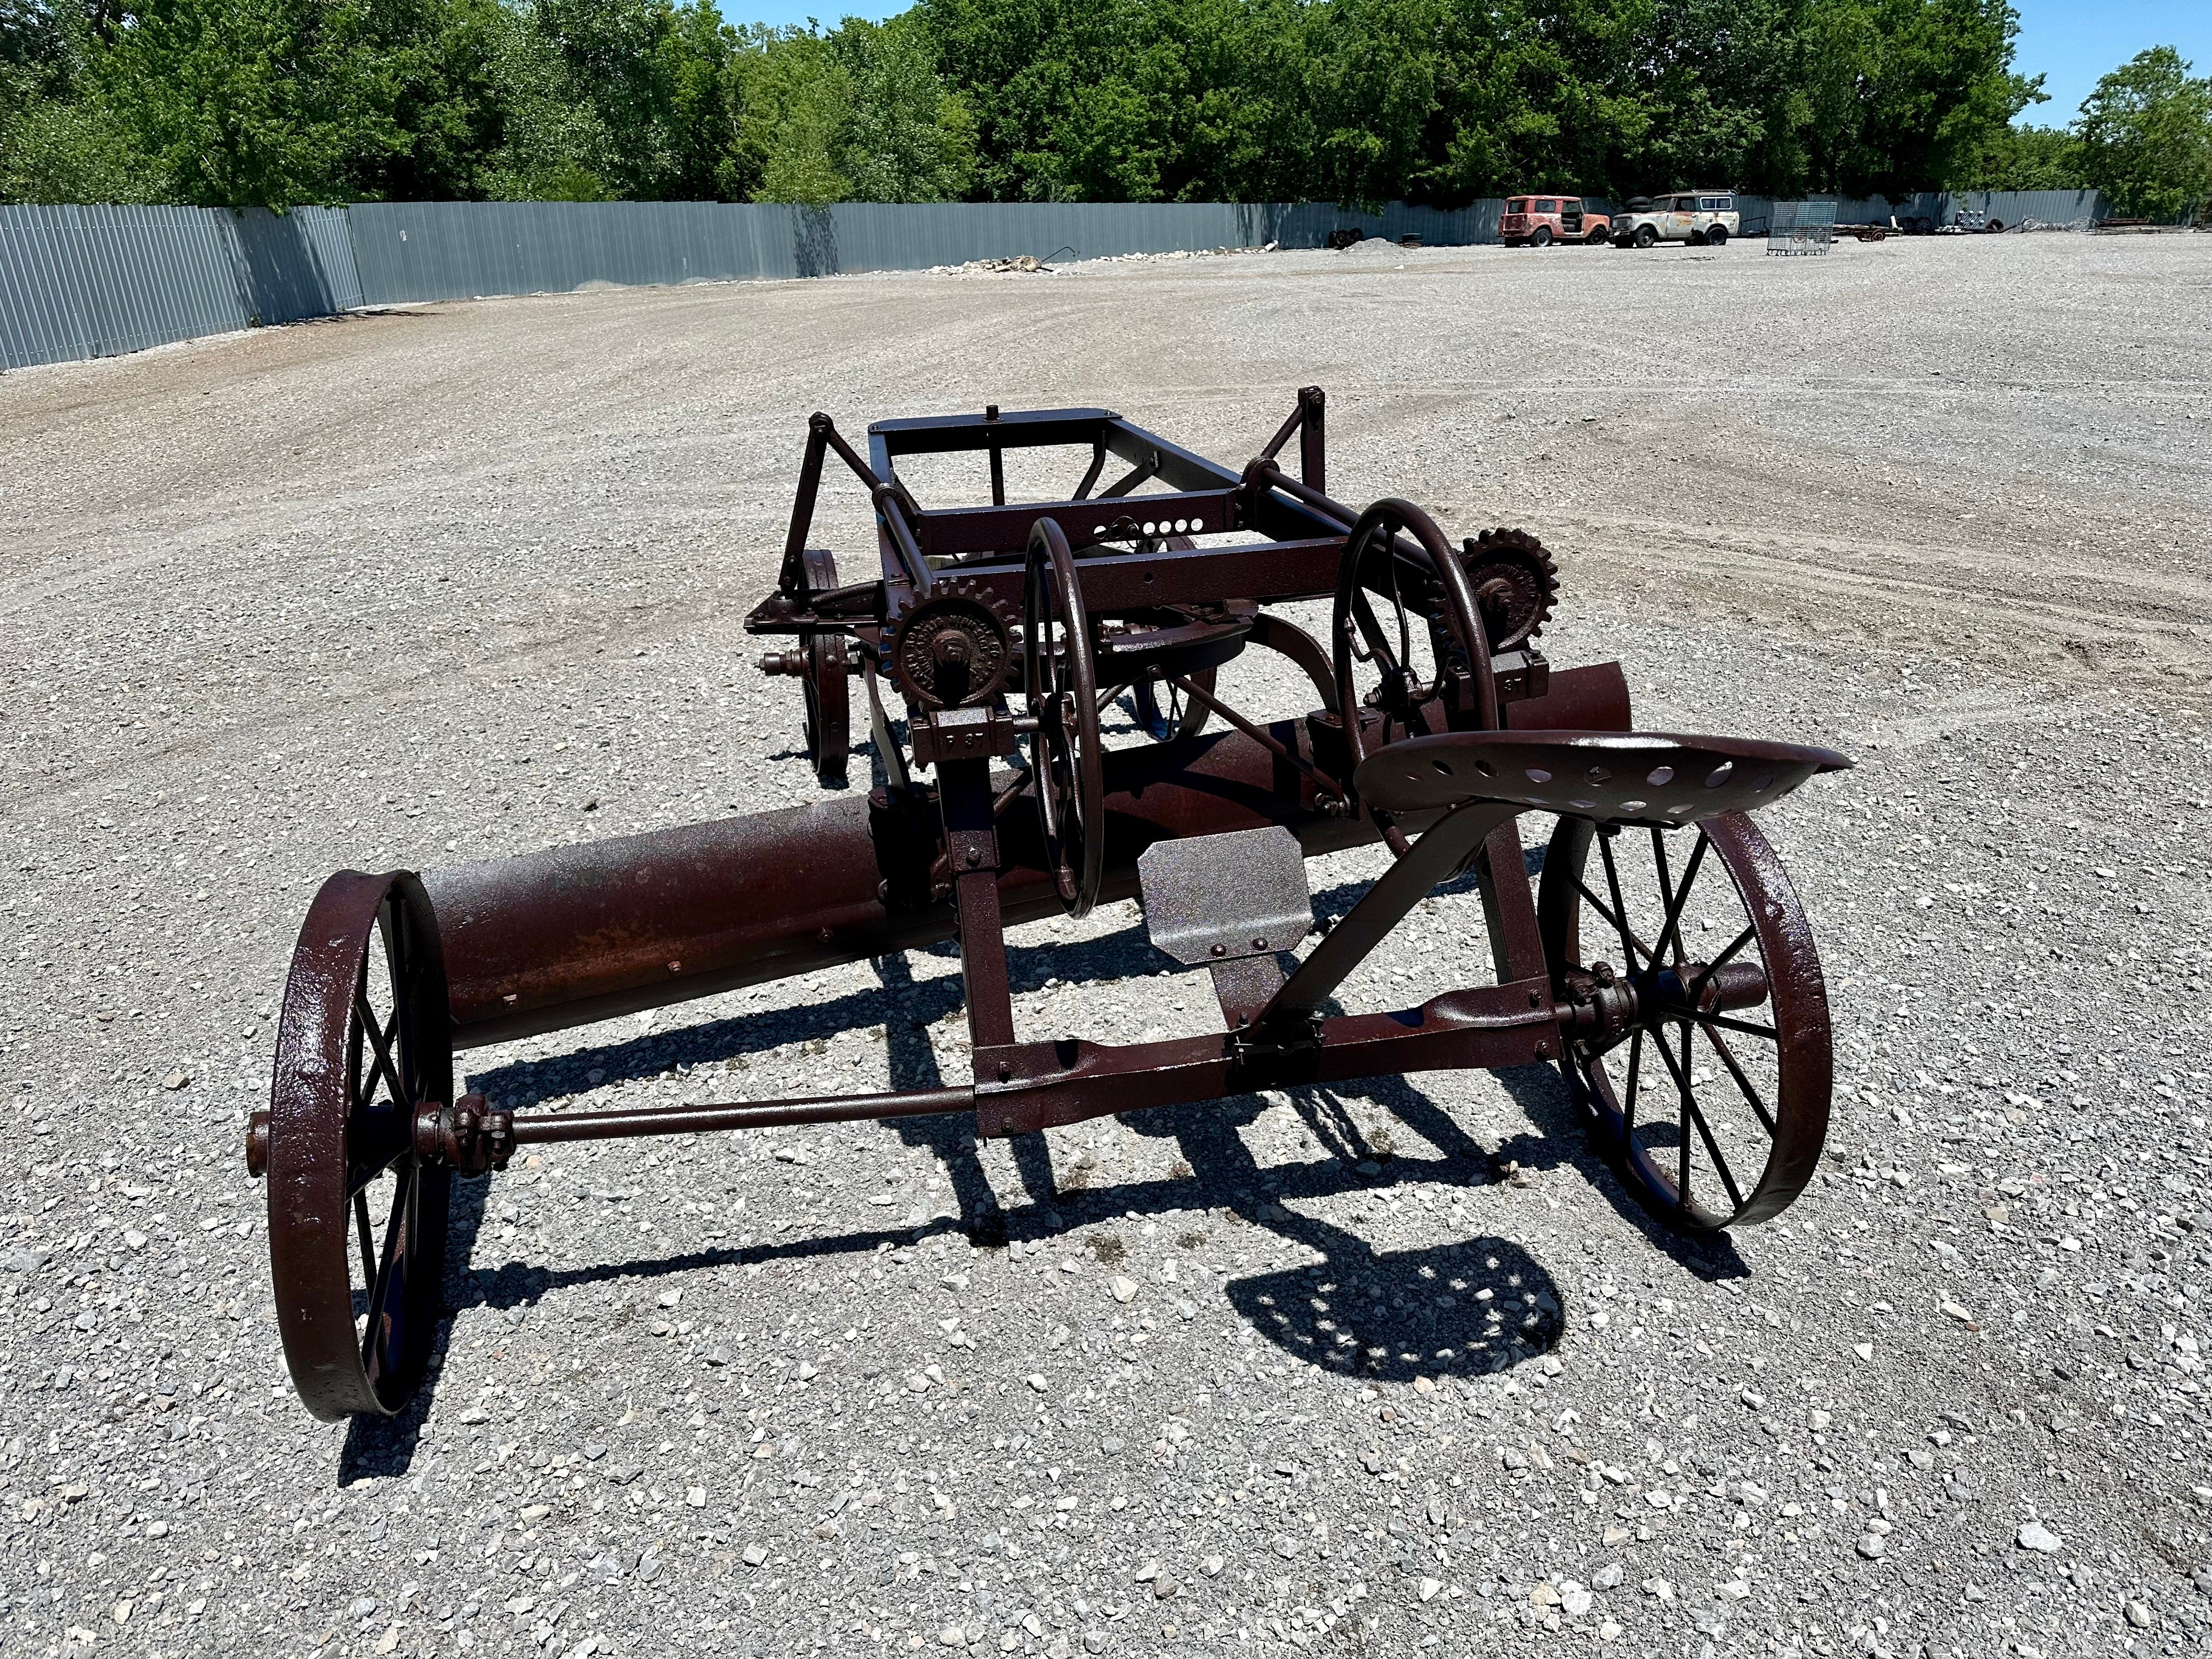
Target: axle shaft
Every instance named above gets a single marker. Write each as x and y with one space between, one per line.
746 1114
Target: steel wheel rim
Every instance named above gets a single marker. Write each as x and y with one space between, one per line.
1462 623
1183 717
829 715
1060 680
325 1152
1796 1003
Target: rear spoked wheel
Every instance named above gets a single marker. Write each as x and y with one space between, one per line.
1180 717
1060 680
1699 1050
356 1220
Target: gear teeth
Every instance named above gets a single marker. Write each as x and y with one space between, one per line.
956 596
1531 573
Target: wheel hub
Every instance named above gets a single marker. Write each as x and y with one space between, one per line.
1602 1006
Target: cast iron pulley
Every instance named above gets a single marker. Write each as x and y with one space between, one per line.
1066 773
828 708
822 664
1514 582
955 649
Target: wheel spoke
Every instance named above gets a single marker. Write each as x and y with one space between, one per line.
1749 1028
1692 1117
1634 1066
1698 985
1620 917
1670 936
367 1241
1631 945
1666 886
354 1045
1370 629
380 1039
1682 1117
1398 604
392 1275
1742 1082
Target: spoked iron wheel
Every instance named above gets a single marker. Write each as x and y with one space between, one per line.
1424 638
824 666
1066 773
356 1223
1702 1057
1183 717
828 708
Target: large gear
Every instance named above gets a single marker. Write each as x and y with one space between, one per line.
955 649
1514 580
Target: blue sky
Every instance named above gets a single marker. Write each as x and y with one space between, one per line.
2069 42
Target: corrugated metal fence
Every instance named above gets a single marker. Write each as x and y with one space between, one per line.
92 281
2010 208
459 250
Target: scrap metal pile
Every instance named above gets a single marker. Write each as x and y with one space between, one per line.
1661 963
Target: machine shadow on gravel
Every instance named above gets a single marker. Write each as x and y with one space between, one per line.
1460 1309
1463 1309
1557 1139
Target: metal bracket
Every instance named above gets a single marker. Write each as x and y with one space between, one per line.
939 735
1231 902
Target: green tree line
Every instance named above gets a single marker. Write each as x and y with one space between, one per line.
235 102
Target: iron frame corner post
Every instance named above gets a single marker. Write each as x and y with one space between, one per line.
792 578
1313 460
971 844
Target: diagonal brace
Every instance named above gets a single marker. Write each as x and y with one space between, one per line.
1433 859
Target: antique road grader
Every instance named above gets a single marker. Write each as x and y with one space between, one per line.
1662 963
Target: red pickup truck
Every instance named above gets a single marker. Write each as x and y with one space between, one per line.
1540 221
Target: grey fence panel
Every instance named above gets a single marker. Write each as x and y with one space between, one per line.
286 275
459 250
329 241
92 281
2051 207
453 250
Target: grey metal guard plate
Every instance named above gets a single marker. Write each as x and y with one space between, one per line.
1216 898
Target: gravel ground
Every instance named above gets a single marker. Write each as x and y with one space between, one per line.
465 580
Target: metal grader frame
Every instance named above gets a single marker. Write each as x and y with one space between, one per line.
1004 630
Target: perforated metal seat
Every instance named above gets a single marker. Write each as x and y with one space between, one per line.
1619 777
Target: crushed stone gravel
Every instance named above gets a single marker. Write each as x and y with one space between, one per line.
460 580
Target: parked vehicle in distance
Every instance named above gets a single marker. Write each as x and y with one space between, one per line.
1702 218
1540 221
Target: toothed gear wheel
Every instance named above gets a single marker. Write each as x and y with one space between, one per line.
1514 580
955 649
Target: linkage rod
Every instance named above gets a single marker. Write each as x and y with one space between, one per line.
746 1114
1191 689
